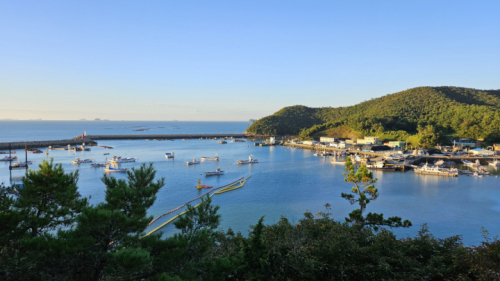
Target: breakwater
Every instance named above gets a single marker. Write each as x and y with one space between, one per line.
160 136
46 143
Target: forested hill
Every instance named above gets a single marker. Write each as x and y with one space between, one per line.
467 112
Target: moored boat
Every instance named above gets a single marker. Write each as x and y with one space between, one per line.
108 168
194 161
433 170
469 163
494 163
222 142
216 158
217 172
119 159
9 158
381 165
169 154
80 161
249 161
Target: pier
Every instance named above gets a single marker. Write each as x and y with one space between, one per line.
90 140
419 159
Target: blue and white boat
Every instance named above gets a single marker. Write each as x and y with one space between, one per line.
9 158
469 163
494 163
216 158
119 159
108 168
169 154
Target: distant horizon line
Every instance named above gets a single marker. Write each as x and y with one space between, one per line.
107 120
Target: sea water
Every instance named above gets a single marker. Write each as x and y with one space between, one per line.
286 182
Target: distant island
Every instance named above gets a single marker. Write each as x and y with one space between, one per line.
432 112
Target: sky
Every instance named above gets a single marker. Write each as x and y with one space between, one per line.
234 60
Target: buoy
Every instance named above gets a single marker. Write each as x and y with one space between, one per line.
199 184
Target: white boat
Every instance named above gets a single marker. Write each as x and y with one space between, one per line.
433 170
482 171
97 165
381 165
476 174
216 158
217 172
80 161
193 162
119 159
112 169
169 154
335 161
469 163
249 161
494 163
439 163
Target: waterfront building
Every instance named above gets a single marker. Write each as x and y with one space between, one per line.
465 142
328 139
310 142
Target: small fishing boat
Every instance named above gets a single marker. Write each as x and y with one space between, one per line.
494 163
381 165
482 171
469 163
335 161
9 158
216 158
108 168
439 163
249 161
98 165
80 161
107 153
106 147
20 165
217 172
119 159
433 170
222 142
193 162
169 154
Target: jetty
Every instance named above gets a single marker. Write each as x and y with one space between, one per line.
91 140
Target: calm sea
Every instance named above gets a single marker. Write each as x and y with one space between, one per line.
285 182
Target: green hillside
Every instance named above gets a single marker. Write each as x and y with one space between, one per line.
450 110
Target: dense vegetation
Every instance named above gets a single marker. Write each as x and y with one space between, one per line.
48 232
450 110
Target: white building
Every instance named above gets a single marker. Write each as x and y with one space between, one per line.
328 139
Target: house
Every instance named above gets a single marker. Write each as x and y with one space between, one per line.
372 140
328 139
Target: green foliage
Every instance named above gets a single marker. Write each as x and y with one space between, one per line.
364 191
466 112
106 242
48 199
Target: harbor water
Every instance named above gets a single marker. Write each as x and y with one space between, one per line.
286 182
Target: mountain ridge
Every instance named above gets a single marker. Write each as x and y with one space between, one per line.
464 111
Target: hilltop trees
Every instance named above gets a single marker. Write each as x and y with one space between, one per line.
466 112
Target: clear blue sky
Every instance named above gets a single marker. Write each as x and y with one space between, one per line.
234 60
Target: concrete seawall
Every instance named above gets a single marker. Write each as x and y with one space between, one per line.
161 136
46 143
